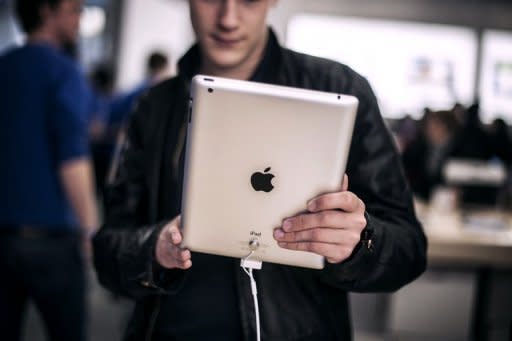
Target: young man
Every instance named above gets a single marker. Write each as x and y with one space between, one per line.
184 296
47 203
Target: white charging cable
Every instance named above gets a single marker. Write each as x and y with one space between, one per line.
248 265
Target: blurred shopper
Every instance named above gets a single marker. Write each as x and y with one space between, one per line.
460 113
472 141
119 108
47 205
369 234
102 82
425 158
157 69
406 132
500 141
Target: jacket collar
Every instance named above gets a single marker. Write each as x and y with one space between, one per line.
266 71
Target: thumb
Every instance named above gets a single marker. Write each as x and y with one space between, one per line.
172 231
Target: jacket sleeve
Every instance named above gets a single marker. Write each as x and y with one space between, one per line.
125 245
376 176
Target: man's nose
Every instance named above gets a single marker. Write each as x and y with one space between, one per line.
229 16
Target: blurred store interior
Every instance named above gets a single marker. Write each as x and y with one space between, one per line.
441 70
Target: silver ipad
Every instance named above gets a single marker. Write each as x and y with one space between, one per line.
255 155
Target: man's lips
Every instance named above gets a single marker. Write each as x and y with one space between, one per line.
225 40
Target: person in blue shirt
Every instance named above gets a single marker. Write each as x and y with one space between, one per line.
122 105
47 202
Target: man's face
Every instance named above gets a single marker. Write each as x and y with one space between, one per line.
230 32
66 20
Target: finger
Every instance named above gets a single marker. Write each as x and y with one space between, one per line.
171 259
333 253
174 257
320 235
172 233
344 183
327 219
309 221
346 201
179 254
184 265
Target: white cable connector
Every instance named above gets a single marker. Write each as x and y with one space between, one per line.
248 265
254 291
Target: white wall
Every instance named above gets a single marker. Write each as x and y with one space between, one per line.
149 25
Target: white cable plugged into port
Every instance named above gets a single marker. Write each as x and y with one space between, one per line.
254 290
248 265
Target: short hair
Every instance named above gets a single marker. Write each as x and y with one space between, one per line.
29 12
156 61
102 77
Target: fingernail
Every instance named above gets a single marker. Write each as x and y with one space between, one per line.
287 225
312 205
278 233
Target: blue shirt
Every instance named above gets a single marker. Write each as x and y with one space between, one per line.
43 123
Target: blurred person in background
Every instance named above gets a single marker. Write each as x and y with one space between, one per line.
119 108
102 83
47 204
500 141
459 111
472 141
406 132
425 157
157 69
501 150
372 240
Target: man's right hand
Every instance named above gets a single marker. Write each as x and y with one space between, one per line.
168 252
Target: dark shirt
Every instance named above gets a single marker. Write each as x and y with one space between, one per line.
211 281
206 307
42 125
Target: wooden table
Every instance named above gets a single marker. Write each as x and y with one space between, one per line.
453 241
456 240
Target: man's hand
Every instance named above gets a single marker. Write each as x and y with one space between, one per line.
331 229
168 253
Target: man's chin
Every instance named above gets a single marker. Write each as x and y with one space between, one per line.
226 60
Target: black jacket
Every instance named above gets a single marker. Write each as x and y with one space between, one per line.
296 303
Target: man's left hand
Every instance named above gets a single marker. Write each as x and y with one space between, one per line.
331 229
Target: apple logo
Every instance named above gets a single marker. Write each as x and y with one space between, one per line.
262 181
